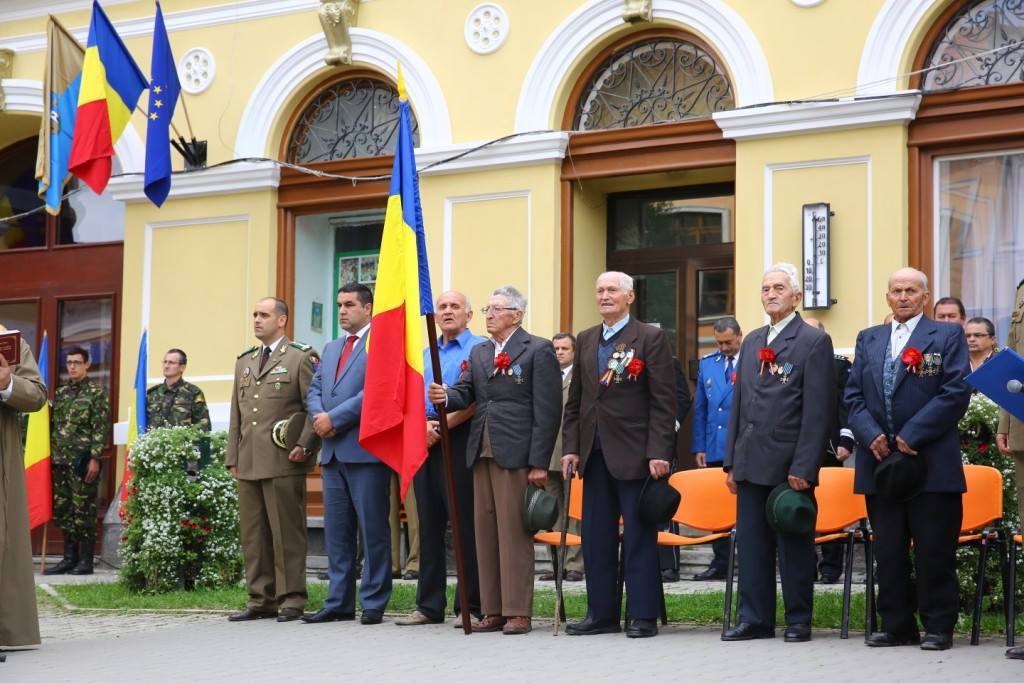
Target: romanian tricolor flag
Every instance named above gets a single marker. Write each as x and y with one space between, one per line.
137 421
38 483
111 85
393 410
62 80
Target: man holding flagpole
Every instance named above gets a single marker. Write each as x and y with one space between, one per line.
21 391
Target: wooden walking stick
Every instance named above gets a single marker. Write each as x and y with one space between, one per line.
559 603
42 549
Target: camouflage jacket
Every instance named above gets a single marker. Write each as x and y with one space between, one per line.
81 421
180 405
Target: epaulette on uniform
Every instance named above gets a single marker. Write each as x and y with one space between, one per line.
708 355
248 350
300 346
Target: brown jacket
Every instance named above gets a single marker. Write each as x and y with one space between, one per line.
636 418
556 455
1008 424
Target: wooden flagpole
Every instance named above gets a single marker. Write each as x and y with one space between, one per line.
449 471
42 550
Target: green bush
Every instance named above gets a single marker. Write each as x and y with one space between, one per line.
181 531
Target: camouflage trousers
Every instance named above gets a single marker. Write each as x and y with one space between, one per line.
74 504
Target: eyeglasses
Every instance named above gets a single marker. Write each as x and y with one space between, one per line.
497 309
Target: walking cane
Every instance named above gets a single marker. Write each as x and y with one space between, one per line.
559 604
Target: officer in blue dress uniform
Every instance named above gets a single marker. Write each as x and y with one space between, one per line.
711 406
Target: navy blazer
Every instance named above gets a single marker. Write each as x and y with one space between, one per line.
712 405
342 400
926 408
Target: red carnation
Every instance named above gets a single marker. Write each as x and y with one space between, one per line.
734 377
767 357
635 367
982 447
501 363
463 366
912 358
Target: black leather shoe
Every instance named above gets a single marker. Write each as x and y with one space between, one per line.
710 574
797 633
885 639
1015 652
592 627
250 614
937 641
371 616
326 615
289 614
830 578
642 628
669 576
745 631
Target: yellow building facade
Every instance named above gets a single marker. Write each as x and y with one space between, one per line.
697 190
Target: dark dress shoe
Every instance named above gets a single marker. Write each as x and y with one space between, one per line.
745 631
592 627
546 576
410 575
669 576
371 616
885 639
830 578
1015 652
642 628
289 614
250 614
710 574
937 641
573 575
326 615
797 633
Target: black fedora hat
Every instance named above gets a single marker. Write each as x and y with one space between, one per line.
540 510
658 501
790 511
900 477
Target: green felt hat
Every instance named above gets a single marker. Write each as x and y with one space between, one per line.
540 510
790 511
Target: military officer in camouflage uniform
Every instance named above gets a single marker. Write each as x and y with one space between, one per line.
78 434
175 402
271 382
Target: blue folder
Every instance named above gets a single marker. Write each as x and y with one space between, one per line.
992 378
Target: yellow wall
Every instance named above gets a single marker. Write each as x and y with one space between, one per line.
590 249
863 174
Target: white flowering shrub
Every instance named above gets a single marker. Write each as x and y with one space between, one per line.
180 531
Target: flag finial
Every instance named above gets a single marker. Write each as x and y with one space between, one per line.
402 94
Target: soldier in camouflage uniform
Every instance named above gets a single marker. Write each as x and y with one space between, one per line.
175 402
78 434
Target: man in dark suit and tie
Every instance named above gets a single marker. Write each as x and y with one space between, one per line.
619 430
783 400
906 393
355 481
514 380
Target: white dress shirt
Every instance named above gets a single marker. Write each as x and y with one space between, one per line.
900 334
773 330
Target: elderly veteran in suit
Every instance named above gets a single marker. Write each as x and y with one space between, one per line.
355 481
21 391
905 396
619 430
783 401
514 380
271 381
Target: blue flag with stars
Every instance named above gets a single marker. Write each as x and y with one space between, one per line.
163 95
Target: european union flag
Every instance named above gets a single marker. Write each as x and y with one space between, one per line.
163 95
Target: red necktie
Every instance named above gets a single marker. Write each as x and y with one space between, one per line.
349 343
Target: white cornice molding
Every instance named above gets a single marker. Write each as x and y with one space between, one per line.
306 59
726 31
815 117
26 96
221 180
886 44
532 150
528 150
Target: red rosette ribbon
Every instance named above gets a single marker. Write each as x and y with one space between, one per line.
463 366
767 357
501 363
635 367
912 358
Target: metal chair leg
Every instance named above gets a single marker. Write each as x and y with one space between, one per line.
979 589
664 610
729 574
844 632
870 620
1011 621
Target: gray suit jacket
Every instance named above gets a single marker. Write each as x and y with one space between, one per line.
523 417
778 428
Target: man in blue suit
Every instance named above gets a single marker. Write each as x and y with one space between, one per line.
906 392
712 404
355 482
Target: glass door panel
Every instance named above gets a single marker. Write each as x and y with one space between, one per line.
88 324
655 302
24 317
715 299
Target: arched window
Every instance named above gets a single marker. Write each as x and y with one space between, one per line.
653 80
963 51
355 117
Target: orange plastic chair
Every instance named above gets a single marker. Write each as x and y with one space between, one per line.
983 506
1016 541
839 509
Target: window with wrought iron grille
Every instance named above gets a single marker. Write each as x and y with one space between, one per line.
967 53
356 117
651 81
